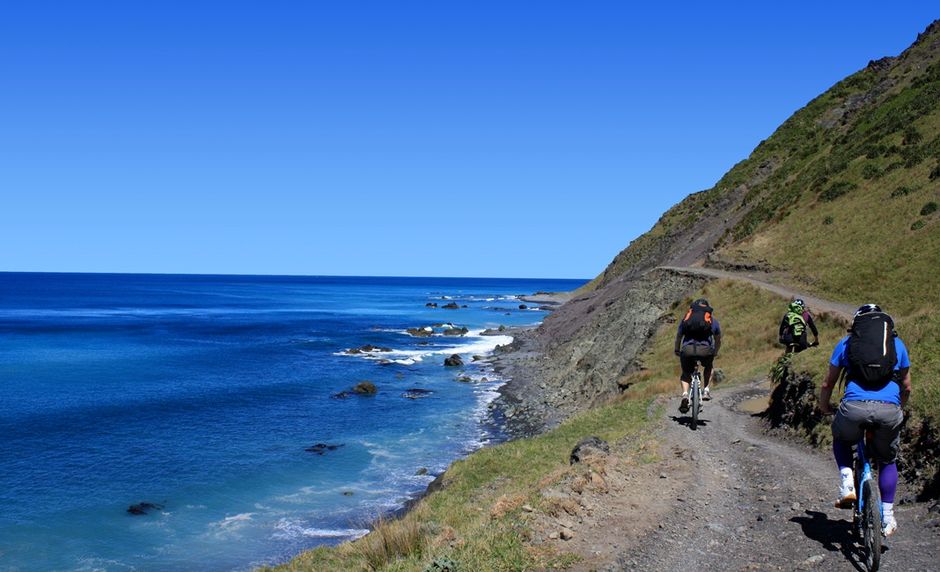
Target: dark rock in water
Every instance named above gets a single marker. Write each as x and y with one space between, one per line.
322 448
347 493
368 348
477 357
455 331
371 348
431 305
453 361
143 508
588 446
385 362
421 471
523 307
450 306
364 388
465 306
420 332
416 393
464 379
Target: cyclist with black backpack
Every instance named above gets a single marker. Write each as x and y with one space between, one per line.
877 367
697 341
793 327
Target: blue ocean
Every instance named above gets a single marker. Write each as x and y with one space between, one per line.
213 407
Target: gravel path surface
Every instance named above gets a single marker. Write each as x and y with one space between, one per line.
816 304
755 502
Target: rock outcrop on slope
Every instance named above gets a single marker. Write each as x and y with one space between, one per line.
875 128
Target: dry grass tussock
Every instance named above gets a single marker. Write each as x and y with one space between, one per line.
389 540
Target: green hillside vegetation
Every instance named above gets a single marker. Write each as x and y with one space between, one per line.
477 520
749 319
841 201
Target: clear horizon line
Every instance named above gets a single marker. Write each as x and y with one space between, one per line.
284 275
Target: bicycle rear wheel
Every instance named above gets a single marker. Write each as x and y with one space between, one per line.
696 395
871 525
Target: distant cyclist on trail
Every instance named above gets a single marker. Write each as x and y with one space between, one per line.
877 368
697 341
793 327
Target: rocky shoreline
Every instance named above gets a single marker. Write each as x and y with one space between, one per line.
576 358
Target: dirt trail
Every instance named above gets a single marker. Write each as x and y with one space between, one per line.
816 304
729 497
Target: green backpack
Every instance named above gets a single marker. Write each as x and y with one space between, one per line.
796 321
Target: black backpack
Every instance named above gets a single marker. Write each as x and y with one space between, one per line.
697 324
870 349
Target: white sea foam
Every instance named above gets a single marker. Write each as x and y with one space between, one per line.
101 565
475 344
293 528
232 522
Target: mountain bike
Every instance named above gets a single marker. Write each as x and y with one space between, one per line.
866 516
695 396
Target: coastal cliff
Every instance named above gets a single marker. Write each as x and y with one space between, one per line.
851 178
838 205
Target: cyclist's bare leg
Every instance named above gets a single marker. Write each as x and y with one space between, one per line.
707 376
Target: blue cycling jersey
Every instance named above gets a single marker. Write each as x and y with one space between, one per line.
890 393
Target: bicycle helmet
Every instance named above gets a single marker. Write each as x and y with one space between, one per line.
865 309
799 302
701 302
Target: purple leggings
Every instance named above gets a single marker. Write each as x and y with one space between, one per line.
887 472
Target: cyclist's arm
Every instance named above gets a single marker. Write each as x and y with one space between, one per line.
678 340
825 391
717 343
812 325
904 377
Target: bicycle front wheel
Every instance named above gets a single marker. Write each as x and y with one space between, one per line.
696 404
871 525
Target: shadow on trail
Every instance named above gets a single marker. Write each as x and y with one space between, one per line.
833 535
686 420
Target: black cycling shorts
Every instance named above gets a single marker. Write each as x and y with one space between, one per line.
688 365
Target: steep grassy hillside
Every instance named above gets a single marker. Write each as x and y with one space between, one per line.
842 198
841 201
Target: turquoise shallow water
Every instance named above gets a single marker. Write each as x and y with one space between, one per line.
201 394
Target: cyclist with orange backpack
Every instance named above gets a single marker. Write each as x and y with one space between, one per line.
697 341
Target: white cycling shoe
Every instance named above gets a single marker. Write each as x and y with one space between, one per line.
888 525
847 494
707 394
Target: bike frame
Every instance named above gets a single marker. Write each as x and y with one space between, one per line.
866 475
865 484
695 395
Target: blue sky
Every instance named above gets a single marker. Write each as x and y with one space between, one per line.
531 139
